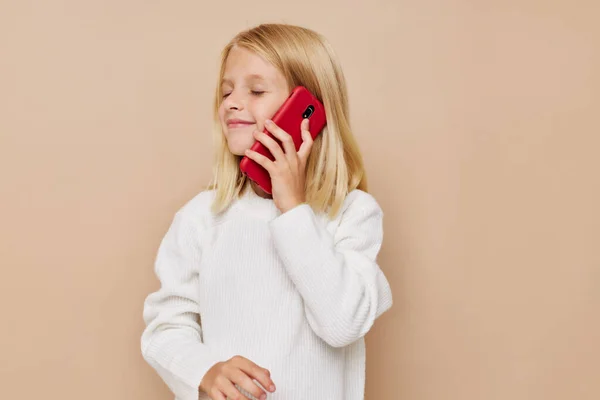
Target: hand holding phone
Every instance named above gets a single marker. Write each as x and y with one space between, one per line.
300 104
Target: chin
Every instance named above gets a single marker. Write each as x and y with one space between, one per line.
238 144
239 149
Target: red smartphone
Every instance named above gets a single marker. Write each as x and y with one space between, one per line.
300 104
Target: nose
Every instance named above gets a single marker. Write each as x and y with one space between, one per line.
235 101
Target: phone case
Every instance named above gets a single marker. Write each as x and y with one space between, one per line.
288 117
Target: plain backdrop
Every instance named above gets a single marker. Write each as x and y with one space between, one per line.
479 122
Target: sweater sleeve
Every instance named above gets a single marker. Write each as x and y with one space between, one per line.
172 340
342 286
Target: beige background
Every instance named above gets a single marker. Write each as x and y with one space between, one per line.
479 123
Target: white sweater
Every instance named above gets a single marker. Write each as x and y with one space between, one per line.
294 292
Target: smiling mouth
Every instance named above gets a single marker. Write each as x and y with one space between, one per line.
236 125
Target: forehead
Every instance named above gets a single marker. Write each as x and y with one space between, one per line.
243 65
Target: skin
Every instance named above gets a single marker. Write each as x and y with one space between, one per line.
253 90
219 382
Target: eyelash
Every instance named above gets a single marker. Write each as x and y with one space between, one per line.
254 92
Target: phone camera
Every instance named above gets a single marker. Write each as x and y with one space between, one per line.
308 112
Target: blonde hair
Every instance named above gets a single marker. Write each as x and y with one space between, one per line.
335 166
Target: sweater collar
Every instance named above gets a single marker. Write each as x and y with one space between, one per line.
258 205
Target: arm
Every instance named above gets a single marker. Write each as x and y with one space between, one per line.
343 288
172 340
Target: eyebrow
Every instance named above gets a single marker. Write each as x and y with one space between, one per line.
252 77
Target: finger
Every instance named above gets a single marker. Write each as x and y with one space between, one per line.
283 136
270 144
261 160
231 392
240 378
307 141
216 394
262 375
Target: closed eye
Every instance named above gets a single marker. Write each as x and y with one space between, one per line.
253 92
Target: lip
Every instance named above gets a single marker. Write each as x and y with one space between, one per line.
238 123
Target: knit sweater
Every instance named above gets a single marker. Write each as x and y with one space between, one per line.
295 293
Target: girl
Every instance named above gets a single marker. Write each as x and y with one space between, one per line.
270 296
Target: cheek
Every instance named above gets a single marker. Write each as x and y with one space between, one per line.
257 113
221 113
261 112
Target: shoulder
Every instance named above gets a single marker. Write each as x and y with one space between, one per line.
198 208
360 217
360 204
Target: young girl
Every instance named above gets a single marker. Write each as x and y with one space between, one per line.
270 296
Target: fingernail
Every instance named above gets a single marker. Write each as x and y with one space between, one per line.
268 122
272 388
263 397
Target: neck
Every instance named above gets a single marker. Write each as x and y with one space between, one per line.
259 191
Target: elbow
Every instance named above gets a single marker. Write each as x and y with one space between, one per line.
342 332
340 342
338 336
153 337
342 326
145 345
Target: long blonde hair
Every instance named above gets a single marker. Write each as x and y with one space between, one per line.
335 166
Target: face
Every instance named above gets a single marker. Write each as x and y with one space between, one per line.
252 90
